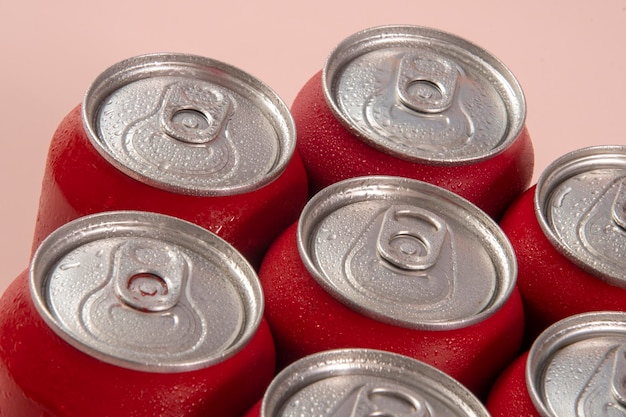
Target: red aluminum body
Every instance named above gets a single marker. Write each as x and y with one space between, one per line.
78 181
182 173
306 319
42 375
331 153
551 285
255 411
333 150
509 395
574 368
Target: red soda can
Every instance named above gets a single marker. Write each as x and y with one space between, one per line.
419 103
181 135
365 382
569 235
134 314
396 264
577 367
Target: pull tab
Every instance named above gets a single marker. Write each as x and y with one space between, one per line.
410 237
426 82
192 114
148 277
383 400
618 380
618 211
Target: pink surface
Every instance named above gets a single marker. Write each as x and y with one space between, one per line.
567 55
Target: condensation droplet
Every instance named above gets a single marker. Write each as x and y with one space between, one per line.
69 265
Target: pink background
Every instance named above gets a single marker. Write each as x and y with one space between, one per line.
569 57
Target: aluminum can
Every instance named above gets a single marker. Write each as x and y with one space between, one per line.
364 382
181 135
134 314
400 265
569 236
419 103
576 367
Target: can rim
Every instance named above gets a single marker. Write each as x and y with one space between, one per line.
190 66
337 362
372 38
143 224
569 165
561 334
362 188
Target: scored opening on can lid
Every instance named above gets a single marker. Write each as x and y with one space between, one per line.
189 124
580 204
406 252
423 95
577 367
146 291
335 383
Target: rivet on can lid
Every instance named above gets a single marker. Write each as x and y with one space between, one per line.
577 367
146 291
424 95
580 203
363 382
406 252
189 124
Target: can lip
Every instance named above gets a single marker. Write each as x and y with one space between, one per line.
573 329
567 166
192 67
448 204
378 37
163 228
405 371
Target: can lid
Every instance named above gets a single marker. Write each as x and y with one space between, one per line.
406 252
577 367
146 291
363 382
580 203
189 124
424 95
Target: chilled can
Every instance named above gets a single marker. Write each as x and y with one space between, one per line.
364 382
181 135
577 367
416 102
396 264
569 235
134 314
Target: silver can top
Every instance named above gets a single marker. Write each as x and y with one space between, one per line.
362 383
406 252
146 291
424 95
189 124
577 367
580 203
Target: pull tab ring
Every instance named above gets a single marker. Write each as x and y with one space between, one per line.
148 278
410 237
192 115
618 210
426 82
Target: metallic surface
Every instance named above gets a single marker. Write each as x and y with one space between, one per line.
189 124
577 367
146 291
580 202
424 95
406 252
362 383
